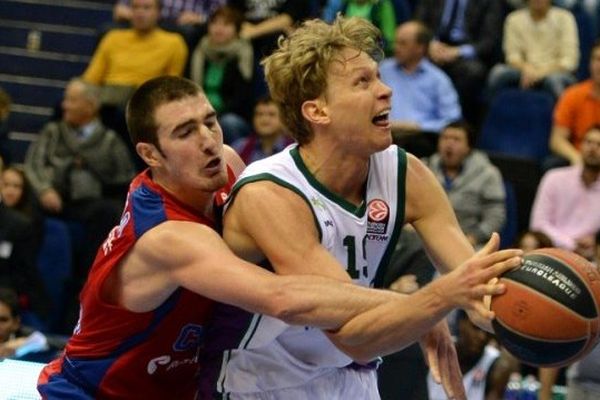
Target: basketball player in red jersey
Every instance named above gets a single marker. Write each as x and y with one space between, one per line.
150 291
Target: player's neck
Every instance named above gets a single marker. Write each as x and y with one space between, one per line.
341 173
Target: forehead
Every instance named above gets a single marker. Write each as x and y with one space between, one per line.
172 113
266 107
74 89
4 310
454 133
350 61
406 31
10 173
144 3
593 136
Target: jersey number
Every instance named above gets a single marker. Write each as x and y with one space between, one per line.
350 244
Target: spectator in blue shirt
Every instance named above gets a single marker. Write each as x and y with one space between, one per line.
424 99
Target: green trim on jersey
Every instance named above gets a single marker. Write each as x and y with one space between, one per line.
280 182
398 224
345 204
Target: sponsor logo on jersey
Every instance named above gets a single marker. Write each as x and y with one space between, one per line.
318 203
116 233
378 215
190 336
166 363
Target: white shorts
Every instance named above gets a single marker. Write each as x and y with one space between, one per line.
341 384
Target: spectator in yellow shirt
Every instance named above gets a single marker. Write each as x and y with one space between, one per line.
126 58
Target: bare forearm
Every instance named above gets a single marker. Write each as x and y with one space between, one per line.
547 378
280 23
326 303
392 326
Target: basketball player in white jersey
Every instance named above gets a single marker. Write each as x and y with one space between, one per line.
333 205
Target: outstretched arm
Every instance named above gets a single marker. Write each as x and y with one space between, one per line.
193 256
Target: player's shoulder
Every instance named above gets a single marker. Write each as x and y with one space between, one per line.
272 164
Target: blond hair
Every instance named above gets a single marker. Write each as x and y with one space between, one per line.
297 70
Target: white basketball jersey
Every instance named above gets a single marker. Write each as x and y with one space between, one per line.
274 355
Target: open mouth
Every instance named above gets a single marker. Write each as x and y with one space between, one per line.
382 119
214 163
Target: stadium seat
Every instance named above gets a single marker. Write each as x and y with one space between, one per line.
54 263
510 229
523 175
518 124
587 36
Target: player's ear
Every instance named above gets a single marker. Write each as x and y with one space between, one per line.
149 153
315 111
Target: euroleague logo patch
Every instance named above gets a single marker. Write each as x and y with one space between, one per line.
378 217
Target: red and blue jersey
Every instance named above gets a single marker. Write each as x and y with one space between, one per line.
120 354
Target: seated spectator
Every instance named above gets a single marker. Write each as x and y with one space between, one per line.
5 103
223 65
18 257
19 341
186 17
566 203
541 49
126 58
17 193
269 136
79 170
532 240
264 22
486 369
591 8
465 46
424 99
381 13
577 110
473 184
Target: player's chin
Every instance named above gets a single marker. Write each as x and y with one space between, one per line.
383 139
220 180
214 182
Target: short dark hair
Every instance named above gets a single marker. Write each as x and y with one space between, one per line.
464 126
598 238
266 99
142 106
230 15
9 298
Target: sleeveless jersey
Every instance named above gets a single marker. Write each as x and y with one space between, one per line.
268 354
474 380
119 354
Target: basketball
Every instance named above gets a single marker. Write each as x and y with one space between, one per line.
549 314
